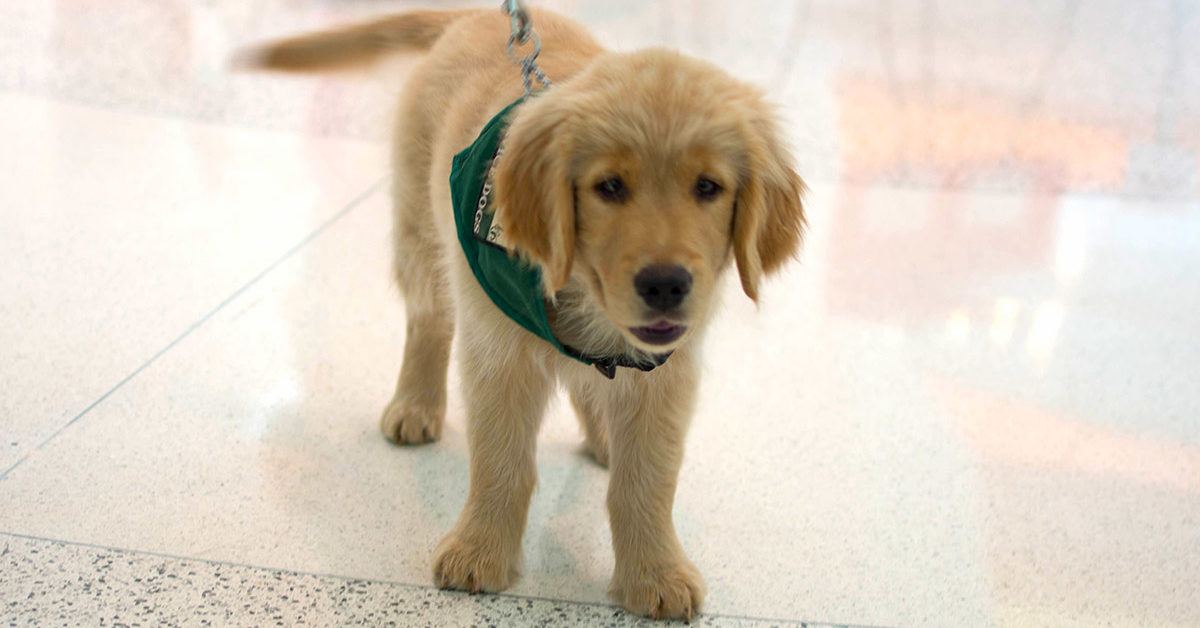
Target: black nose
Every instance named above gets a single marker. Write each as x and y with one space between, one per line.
663 286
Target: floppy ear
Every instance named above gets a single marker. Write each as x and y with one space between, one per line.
768 220
535 197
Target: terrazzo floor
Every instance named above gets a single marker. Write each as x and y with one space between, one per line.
972 402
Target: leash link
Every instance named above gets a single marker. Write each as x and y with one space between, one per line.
521 24
522 32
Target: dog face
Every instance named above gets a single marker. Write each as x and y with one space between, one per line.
641 178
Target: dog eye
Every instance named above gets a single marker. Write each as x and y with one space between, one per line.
612 190
706 189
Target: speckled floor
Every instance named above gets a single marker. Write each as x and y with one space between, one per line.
973 402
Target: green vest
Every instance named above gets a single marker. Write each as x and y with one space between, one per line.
513 285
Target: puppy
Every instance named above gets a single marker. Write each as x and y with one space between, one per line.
626 188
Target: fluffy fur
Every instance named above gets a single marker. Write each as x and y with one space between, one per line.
660 122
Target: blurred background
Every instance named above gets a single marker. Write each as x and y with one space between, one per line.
971 402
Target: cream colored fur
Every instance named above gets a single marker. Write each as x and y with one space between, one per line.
656 119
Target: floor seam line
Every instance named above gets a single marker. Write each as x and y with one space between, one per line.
424 587
322 228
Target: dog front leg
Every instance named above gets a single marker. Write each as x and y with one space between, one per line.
653 576
505 404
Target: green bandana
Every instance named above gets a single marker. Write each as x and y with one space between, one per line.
513 285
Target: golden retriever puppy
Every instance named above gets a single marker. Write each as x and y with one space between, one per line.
626 188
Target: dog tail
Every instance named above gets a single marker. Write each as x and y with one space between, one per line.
354 45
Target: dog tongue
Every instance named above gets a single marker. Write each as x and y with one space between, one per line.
662 326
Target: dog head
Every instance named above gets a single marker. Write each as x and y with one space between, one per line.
642 177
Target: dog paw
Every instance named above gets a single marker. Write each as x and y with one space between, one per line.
407 424
598 450
671 592
471 567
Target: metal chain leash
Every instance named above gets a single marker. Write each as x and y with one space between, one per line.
522 32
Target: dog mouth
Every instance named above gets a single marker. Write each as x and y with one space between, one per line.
660 333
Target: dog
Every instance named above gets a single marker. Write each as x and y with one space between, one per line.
627 187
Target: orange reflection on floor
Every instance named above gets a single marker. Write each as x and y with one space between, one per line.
1083 524
1008 432
918 252
962 135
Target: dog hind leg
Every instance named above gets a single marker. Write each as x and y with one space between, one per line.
595 424
418 407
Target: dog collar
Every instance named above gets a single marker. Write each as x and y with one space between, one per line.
512 284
